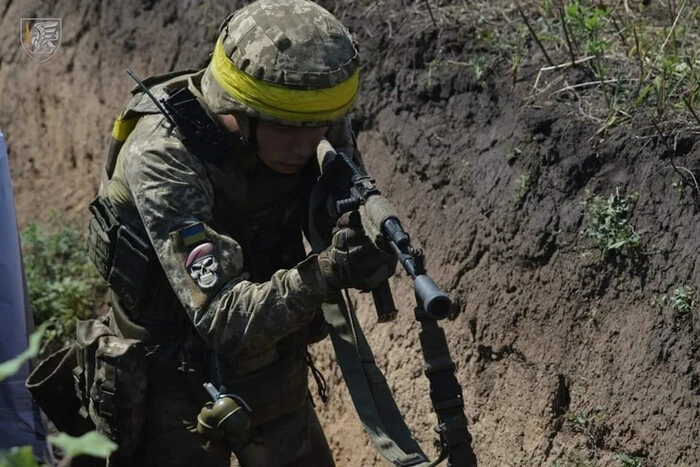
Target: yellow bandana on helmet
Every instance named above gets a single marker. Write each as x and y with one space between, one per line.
281 102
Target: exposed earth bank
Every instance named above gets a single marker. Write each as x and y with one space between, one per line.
566 357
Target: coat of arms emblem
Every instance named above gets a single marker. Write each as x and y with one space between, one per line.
40 37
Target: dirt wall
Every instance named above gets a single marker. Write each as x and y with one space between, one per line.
565 358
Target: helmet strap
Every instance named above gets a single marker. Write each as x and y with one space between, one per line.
248 129
253 135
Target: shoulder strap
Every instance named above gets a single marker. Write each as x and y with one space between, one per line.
138 106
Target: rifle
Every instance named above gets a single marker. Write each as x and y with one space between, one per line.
343 187
350 189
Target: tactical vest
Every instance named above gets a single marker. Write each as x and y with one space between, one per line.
266 223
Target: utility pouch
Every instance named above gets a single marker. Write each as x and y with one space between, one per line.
111 381
51 384
124 259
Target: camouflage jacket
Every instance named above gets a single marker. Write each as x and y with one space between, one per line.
204 221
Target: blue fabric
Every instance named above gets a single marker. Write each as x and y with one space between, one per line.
20 421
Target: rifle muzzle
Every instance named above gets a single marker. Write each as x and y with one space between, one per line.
436 303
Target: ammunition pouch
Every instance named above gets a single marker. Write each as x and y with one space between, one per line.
110 381
123 258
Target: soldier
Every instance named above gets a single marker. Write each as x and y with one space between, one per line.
207 268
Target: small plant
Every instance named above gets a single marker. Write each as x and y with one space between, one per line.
593 316
627 460
608 224
658 301
478 66
682 301
590 424
522 189
63 285
587 25
583 422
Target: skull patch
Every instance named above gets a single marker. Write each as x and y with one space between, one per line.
203 266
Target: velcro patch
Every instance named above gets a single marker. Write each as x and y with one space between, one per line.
193 234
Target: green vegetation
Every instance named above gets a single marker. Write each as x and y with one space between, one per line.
12 366
628 461
522 189
682 301
593 316
18 457
63 284
584 422
588 25
613 59
608 224
91 443
641 57
590 424
479 66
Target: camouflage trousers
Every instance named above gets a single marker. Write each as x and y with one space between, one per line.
171 438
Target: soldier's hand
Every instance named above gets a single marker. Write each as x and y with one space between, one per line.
352 260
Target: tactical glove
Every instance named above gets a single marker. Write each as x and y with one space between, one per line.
352 260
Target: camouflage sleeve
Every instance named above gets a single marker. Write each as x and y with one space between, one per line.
205 268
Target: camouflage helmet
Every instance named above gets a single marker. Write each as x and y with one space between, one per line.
286 61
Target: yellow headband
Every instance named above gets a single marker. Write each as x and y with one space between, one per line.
278 101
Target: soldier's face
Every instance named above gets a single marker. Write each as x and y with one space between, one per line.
287 149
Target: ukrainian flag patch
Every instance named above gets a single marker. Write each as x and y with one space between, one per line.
193 234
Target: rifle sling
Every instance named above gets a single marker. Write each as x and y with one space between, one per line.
375 404
446 395
368 389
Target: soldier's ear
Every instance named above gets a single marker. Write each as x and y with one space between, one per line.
243 124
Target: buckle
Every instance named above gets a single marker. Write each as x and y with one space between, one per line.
409 460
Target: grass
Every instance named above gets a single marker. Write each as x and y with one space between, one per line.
610 60
640 59
62 282
608 224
